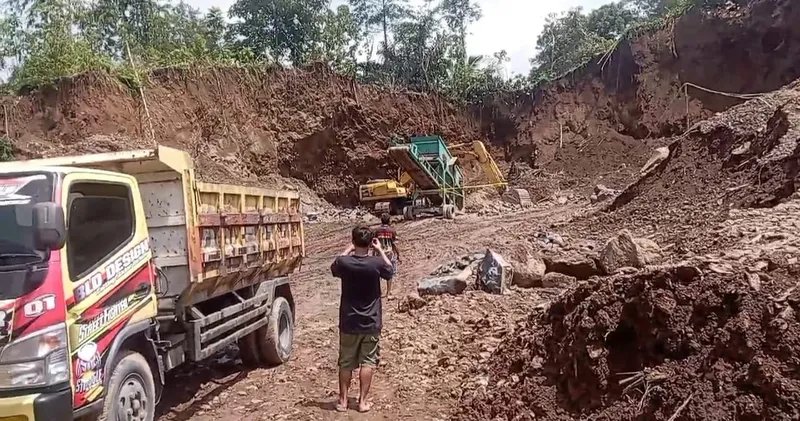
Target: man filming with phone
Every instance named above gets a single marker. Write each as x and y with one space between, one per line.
360 312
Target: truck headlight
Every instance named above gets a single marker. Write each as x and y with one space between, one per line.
35 360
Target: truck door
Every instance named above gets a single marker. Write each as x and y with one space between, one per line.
108 273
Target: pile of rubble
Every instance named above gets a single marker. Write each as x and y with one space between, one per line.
685 341
331 214
556 265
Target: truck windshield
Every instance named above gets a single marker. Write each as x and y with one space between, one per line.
18 193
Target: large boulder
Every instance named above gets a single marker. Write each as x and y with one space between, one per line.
495 274
626 251
448 284
573 263
529 274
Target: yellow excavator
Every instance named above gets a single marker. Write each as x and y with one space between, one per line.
386 195
389 195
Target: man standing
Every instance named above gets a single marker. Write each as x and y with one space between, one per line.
360 313
387 237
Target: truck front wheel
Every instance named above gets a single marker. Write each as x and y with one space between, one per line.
274 340
131 393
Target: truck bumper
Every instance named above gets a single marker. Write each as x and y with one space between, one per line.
50 406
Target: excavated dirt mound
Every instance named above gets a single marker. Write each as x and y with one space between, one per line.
679 343
240 124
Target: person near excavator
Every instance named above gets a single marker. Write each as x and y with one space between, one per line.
360 312
387 237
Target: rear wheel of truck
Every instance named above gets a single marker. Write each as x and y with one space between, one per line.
131 393
274 340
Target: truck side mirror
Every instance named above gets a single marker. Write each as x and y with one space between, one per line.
49 224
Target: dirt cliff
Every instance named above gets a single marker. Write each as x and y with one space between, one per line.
598 124
240 124
601 121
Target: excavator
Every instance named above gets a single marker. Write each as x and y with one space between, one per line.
481 154
386 195
393 195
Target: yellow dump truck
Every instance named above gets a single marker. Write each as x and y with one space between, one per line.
116 268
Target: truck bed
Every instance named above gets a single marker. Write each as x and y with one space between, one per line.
207 239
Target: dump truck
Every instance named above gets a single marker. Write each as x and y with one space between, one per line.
116 268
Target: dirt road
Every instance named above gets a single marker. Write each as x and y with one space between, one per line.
426 353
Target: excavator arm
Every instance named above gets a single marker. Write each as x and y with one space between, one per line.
481 154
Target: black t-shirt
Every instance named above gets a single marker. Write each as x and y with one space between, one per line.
360 307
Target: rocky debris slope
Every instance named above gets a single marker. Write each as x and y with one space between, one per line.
745 157
686 340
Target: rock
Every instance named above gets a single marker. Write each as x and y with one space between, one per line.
495 274
658 157
574 264
741 150
530 273
519 197
550 239
648 249
558 280
603 193
448 284
754 281
626 251
411 302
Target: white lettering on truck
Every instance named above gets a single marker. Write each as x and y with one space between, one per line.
105 276
101 320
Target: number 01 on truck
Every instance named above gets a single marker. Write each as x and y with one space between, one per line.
116 268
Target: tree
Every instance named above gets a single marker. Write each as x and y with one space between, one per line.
610 20
279 29
572 38
215 29
383 14
339 40
459 14
419 60
42 43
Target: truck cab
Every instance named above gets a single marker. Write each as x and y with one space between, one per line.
116 268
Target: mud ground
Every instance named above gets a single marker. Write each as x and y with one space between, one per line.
426 353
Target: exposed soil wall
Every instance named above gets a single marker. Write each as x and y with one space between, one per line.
597 122
311 125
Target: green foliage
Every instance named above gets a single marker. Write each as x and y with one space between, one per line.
6 149
338 43
377 41
281 30
571 39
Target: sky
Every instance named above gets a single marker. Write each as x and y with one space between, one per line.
510 25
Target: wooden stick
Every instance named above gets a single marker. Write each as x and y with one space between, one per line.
141 94
681 408
560 135
5 121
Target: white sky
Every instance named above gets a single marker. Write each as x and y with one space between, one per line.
511 25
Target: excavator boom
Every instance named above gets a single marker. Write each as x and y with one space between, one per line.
487 163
